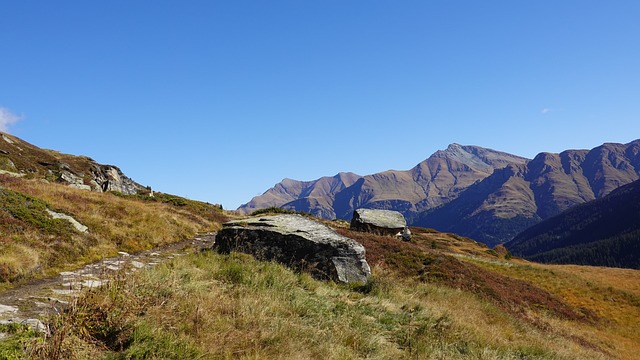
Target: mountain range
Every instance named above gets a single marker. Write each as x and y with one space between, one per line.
477 192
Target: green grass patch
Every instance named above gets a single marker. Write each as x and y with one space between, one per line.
18 339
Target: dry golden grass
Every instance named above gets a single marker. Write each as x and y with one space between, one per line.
213 306
626 279
115 223
605 295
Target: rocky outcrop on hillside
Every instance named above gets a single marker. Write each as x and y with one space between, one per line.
379 222
297 242
17 157
110 178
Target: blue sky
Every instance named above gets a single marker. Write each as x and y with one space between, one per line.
220 100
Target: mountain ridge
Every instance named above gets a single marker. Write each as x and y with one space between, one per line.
446 190
548 184
428 184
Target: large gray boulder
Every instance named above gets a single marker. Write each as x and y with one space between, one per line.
297 242
379 222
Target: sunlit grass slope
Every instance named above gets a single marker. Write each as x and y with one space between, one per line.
439 297
34 244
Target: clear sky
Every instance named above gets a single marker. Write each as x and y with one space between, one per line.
220 100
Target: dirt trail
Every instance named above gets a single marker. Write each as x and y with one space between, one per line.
36 299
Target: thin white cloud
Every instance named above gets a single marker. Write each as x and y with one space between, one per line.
546 110
7 118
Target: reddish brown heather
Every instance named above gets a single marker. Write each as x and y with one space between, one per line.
418 260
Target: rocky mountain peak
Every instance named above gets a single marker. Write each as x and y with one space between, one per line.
479 158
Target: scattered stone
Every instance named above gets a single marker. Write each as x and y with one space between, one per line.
122 253
379 222
72 179
58 301
115 262
10 173
36 325
70 219
81 186
137 264
298 242
7 309
7 139
406 234
93 283
64 292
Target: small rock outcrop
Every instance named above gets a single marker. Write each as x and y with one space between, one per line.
379 222
111 178
77 225
406 234
297 242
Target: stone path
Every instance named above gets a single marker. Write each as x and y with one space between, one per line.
29 302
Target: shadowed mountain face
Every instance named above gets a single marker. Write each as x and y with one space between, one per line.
431 183
510 200
603 232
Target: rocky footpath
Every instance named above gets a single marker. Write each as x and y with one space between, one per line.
298 242
30 302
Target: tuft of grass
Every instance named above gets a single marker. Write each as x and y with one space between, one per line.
18 339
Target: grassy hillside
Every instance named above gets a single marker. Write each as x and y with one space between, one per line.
32 244
439 297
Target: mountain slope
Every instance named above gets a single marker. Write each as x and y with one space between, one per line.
439 296
19 158
510 200
314 197
603 232
435 181
498 207
36 183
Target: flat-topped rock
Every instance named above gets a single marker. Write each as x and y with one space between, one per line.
297 242
379 222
